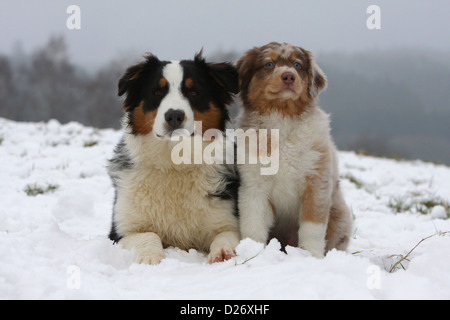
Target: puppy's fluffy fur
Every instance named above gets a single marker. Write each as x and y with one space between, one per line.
302 204
159 203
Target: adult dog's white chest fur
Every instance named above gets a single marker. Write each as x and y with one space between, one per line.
172 201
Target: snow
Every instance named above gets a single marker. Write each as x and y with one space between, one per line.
55 214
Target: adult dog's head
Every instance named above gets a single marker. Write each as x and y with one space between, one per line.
279 77
163 96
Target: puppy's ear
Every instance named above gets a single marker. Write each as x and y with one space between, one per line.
317 79
131 82
245 66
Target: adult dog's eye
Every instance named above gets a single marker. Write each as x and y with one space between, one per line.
269 65
193 93
297 65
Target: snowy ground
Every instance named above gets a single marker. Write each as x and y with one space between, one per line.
55 211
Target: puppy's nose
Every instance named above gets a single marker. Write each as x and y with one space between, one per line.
174 118
288 78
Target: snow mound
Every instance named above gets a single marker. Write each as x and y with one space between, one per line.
55 214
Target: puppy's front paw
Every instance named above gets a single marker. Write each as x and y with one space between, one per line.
312 238
316 253
222 254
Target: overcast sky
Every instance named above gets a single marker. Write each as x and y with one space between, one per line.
176 29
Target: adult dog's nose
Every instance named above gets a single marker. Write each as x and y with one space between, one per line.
174 118
288 78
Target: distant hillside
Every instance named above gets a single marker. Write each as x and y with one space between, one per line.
393 103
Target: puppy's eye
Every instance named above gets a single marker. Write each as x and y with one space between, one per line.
269 65
158 92
193 93
297 65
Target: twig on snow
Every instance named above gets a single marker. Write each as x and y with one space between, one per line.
439 233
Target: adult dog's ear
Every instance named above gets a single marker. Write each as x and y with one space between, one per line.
127 79
245 66
224 74
131 82
317 79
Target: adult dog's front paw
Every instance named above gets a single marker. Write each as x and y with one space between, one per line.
148 258
222 254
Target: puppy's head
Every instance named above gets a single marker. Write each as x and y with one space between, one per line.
271 75
164 96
